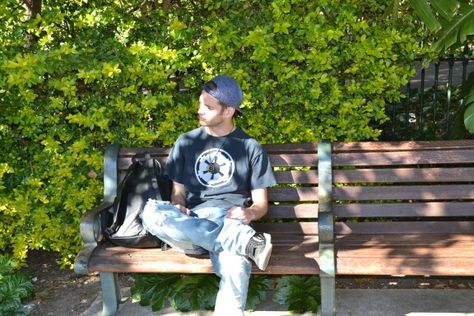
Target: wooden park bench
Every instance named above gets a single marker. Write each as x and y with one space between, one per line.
360 208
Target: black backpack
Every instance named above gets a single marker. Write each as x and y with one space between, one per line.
144 180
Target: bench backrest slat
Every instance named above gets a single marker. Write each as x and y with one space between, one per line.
292 194
297 176
425 209
401 146
293 160
307 210
405 192
301 228
391 158
407 181
403 175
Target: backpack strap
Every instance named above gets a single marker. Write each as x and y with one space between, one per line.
119 200
151 164
154 169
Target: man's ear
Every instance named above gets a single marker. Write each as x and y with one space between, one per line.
229 111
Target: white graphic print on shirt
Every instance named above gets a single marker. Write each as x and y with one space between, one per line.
214 168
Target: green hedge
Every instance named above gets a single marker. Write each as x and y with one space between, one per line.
83 74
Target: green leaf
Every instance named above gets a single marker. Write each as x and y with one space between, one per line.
446 8
469 119
153 289
258 288
194 292
457 30
300 293
468 96
423 10
468 87
6 265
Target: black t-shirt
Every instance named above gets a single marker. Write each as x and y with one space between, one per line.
219 171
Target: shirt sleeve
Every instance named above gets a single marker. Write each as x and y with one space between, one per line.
261 170
175 163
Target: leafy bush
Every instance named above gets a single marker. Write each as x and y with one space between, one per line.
14 288
79 75
189 292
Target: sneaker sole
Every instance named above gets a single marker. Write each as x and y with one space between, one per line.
266 253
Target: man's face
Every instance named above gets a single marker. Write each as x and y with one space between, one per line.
210 112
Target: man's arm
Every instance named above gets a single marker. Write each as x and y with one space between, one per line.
178 197
257 210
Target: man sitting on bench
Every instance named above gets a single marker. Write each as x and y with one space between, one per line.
217 170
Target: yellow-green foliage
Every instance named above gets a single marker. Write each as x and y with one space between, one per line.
84 74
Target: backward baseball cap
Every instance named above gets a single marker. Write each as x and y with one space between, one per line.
226 90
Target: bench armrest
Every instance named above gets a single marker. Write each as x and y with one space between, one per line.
91 230
91 234
90 222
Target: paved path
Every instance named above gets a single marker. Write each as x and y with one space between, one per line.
354 302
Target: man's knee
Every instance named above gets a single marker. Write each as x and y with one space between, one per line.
227 263
149 215
156 212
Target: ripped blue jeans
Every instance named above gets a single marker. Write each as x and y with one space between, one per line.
225 239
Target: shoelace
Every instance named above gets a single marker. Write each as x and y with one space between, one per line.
254 244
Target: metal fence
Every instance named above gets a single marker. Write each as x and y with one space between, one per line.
432 100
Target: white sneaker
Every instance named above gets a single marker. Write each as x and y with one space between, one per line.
259 249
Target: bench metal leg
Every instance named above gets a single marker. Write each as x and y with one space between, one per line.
328 296
110 293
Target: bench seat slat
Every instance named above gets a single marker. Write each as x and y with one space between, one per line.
402 227
404 251
405 192
402 254
425 209
439 249
421 266
285 258
372 240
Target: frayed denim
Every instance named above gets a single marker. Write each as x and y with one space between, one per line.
207 229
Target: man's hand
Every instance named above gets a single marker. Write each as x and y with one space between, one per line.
178 197
257 210
246 215
183 209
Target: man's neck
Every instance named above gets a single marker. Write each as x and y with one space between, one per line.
219 131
